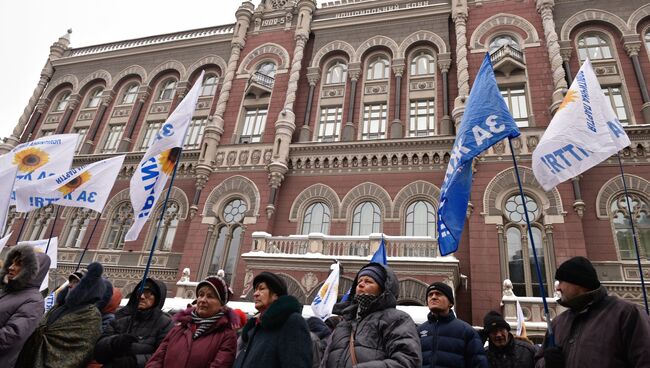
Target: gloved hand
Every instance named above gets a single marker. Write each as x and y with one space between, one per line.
121 343
553 357
123 362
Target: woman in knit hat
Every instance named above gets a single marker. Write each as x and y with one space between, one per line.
204 335
372 329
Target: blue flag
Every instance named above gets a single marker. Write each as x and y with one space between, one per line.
486 121
378 257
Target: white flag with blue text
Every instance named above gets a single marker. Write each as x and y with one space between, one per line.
8 176
326 298
157 164
86 186
584 132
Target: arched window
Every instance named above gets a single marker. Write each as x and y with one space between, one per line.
594 46
62 102
503 40
336 73
420 219
130 94
317 219
209 86
378 68
39 223
267 68
228 241
366 219
615 97
167 90
622 226
120 221
521 268
76 228
95 98
423 64
168 227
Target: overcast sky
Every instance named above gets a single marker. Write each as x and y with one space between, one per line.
29 27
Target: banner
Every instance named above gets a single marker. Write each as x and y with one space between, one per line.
583 133
8 176
521 321
486 121
150 177
52 252
326 298
86 186
51 298
40 158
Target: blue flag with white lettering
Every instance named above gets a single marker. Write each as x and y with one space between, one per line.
486 121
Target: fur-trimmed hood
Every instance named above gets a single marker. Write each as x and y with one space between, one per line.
387 299
34 268
274 317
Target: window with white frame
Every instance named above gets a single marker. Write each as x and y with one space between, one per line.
113 137
615 98
168 227
95 98
82 137
594 46
374 122
195 133
515 98
76 228
378 68
423 64
228 239
209 86
316 219
151 129
329 124
336 73
130 94
422 122
120 221
254 122
420 219
622 225
62 101
366 219
167 90
47 132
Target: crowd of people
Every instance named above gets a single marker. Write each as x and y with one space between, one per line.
85 328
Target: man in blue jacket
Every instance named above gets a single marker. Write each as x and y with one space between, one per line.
447 341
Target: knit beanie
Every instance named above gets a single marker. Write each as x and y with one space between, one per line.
114 303
77 275
578 271
376 272
494 320
272 281
443 288
217 284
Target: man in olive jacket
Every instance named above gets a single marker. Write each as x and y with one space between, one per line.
597 330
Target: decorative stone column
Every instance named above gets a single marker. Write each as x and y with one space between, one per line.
67 114
201 181
444 63
89 142
578 203
545 9
565 51
56 52
396 127
285 125
306 132
349 132
632 46
459 14
125 142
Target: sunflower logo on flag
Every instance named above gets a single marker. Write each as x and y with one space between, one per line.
31 159
568 98
75 183
168 160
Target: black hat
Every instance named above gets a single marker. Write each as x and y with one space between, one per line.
578 271
443 288
272 281
494 320
376 272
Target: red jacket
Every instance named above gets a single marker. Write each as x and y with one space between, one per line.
215 348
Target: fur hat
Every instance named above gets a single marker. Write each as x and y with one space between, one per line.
108 293
443 288
578 271
494 320
272 281
376 272
219 285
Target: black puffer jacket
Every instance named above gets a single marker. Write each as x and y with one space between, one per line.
517 354
150 328
386 337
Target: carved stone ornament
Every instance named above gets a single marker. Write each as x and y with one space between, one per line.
309 280
278 4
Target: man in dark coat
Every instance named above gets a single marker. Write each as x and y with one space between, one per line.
278 337
597 330
504 351
447 341
132 338
21 304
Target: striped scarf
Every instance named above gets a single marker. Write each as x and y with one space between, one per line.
203 324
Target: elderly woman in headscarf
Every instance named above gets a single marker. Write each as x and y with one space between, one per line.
373 332
204 335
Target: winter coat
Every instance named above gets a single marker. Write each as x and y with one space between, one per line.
516 354
279 338
21 304
449 342
66 335
385 337
215 348
604 331
319 333
149 326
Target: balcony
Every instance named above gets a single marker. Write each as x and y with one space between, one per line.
506 59
260 84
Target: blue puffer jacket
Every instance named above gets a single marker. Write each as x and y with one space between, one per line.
448 342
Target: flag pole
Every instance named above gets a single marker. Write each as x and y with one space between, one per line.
551 339
634 236
56 215
162 214
87 243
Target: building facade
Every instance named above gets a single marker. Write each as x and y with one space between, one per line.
321 127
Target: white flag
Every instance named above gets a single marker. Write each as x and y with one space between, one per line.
326 298
521 325
584 132
51 251
8 176
40 158
158 162
4 241
86 186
